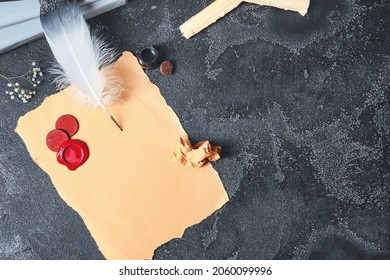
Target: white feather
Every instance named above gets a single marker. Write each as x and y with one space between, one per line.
83 58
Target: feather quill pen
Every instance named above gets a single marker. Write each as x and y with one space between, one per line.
83 58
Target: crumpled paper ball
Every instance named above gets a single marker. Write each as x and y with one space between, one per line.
198 155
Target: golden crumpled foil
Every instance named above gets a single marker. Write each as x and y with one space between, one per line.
198 155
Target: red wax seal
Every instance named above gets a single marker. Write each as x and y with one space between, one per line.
55 138
72 154
68 123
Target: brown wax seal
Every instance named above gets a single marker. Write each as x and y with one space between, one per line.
166 68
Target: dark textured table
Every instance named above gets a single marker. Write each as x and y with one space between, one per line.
299 104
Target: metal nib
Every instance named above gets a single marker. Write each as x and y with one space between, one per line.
117 124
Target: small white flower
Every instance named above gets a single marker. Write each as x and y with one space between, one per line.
16 91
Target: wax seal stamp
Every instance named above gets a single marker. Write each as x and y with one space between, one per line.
72 154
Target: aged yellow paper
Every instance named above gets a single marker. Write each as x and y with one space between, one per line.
130 193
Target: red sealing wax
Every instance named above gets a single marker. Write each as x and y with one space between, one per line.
68 123
73 154
55 138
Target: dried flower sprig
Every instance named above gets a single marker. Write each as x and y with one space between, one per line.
33 77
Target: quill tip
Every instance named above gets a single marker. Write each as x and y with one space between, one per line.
117 124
